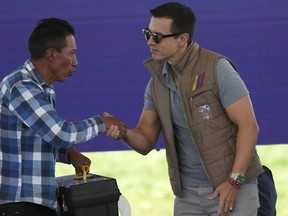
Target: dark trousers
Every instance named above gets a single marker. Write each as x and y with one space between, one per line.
267 193
25 209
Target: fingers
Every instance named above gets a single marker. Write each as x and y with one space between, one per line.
214 195
77 159
227 199
113 132
114 127
82 169
227 210
106 114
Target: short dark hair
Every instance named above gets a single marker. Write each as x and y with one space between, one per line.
49 33
184 20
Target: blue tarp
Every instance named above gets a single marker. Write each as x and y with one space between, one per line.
111 50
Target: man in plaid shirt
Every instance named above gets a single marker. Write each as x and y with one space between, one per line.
32 135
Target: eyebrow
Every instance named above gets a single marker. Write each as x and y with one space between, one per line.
155 32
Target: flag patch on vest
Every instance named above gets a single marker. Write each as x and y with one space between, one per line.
198 81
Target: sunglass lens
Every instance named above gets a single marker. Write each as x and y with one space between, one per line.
156 38
146 35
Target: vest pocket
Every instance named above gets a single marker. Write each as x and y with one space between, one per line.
207 118
204 105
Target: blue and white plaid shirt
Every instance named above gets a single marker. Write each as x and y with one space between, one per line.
33 136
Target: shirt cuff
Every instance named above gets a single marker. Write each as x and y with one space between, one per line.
99 125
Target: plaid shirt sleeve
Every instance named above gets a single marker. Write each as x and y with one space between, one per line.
62 156
32 105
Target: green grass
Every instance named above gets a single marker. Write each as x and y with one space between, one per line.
143 180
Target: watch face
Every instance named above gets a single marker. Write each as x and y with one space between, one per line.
238 178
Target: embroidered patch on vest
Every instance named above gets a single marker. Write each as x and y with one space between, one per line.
198 81
206 112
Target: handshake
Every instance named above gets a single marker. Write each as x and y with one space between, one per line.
114 127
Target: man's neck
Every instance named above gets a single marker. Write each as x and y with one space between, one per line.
178 56
43 70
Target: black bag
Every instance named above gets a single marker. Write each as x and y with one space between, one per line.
98 195
267 193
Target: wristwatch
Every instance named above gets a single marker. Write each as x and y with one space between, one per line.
239 178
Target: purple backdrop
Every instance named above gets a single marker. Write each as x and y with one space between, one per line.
111 48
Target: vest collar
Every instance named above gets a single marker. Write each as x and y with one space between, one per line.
187 56
157 66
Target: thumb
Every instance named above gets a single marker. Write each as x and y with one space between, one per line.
213 195
78 171
106 114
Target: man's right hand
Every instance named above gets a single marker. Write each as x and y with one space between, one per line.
114 127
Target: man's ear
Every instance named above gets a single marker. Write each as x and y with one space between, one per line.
50 54
183 39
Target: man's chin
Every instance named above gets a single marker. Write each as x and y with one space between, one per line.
63 79
157 57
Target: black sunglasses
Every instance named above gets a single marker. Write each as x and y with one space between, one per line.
156 36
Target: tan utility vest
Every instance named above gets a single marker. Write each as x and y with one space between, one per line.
212 132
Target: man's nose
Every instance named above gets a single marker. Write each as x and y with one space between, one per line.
151 41
75 62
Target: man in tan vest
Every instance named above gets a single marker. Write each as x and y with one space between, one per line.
198 101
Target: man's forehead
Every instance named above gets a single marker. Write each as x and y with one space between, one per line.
71 42
160 24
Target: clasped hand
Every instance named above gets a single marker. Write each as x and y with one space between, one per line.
114 127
